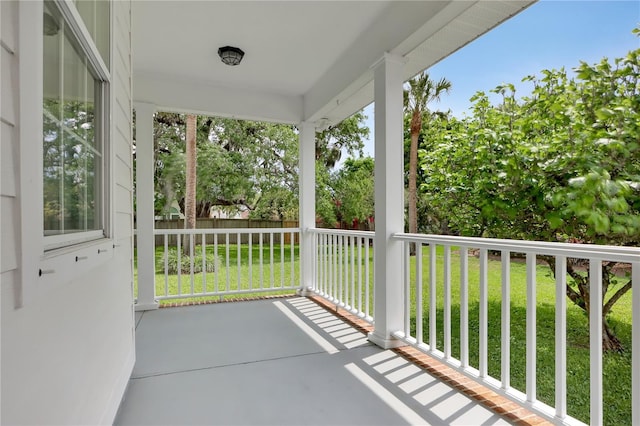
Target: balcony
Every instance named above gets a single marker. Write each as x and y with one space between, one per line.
295 351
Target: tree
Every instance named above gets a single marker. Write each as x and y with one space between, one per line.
243 165
560 165
354 190
190 187
348 135
419 91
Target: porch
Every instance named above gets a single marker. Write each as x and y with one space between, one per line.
283 360
448 309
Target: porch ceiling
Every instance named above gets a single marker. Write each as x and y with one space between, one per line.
305 60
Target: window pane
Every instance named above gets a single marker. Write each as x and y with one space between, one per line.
52 136
72 150
95 15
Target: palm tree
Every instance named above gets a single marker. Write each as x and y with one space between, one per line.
190 190
418 92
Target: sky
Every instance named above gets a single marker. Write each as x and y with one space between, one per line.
550 34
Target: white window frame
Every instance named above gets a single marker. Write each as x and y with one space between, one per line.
75 24
47 264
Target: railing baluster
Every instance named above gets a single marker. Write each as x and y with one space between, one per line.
227 244
251 261
368 278
561 337
334 267
407 289
360 242
353 273
373 285
432 297
238 261
531 328
191 262
166 264
447 302
217 264
340 296
635 345
271 272
464 307
320 263
260 242
345 270
505 321
595 340
203 252
179 254
419 303
293 242
281 259
483 317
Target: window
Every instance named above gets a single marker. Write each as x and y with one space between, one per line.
75 112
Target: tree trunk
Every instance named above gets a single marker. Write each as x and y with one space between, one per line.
609 340
190 190
416 124
581 298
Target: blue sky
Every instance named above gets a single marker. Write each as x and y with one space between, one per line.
549 34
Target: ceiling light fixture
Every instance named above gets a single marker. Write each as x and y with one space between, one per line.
230 55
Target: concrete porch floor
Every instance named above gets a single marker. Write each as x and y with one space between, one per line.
281 361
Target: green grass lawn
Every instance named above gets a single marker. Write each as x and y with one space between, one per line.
617 367
232 273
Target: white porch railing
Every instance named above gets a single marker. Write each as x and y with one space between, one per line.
416 284
237 261
344 269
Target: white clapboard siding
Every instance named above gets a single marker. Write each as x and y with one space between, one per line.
80 330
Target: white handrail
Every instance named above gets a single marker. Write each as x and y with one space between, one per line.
596 254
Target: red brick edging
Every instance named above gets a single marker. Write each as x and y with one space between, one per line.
485 396
229 300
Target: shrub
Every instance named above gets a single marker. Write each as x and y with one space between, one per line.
211 262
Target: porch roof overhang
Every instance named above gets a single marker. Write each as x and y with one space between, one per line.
305 61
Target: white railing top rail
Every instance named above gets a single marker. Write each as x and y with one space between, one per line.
348 232
581 251
209 231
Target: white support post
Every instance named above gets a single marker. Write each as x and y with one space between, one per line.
144 207
307 206
389 203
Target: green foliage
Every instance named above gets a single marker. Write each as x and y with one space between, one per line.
562 164
243 165
212 263
354 190
349 135
325 201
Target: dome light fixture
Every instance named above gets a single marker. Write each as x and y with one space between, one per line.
230 55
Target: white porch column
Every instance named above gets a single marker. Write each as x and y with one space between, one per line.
307 205
145 206
389 200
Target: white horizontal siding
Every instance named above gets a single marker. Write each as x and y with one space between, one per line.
124 223
9 30
122 169
122 113
123 200
67 353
